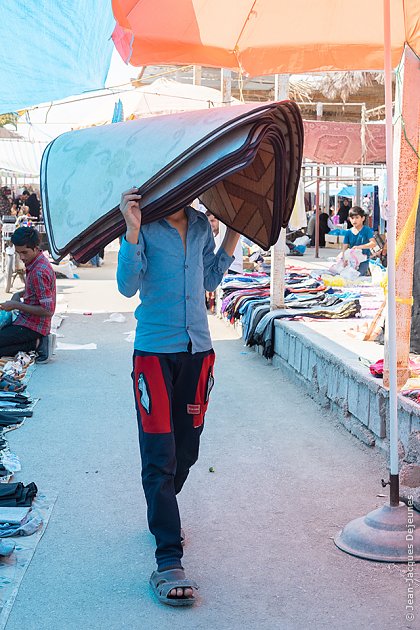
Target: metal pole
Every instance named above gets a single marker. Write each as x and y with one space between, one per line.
327 189
196 75
226 85
278 250
391 329
317 213
359 190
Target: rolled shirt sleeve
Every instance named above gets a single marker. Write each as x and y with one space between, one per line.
44 292
215 264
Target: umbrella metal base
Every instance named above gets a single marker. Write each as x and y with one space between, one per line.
388 534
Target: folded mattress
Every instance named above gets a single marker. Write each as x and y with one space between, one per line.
242 162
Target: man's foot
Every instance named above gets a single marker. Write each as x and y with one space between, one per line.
172 588
45 348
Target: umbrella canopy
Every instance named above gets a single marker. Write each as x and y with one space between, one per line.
264 36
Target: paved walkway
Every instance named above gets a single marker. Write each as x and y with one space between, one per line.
259 528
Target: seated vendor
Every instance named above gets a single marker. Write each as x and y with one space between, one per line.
360 236
32 326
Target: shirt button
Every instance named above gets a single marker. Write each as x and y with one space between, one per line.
186 266
187 297
188 327
138 253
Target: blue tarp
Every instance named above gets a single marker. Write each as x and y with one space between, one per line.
350 191
51 49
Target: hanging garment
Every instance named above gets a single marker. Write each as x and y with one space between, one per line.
243 163
298 218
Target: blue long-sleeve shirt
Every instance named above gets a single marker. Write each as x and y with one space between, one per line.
172 282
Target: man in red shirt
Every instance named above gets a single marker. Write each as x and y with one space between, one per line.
31 328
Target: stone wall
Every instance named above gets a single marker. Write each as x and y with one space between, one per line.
336 379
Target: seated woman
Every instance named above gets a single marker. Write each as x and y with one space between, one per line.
360 236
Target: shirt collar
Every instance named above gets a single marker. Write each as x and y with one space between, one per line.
34 262
191 216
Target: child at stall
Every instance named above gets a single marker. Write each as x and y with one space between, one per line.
359 236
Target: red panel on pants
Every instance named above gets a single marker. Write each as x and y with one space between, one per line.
152 400
205 383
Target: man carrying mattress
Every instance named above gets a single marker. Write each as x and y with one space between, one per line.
171 263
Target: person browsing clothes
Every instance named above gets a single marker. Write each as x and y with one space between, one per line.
360 236
170 263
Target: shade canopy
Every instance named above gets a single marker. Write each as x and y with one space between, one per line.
21 156
264 36
163 96
50 50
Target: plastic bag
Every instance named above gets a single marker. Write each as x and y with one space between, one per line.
302 240
5 318
349 273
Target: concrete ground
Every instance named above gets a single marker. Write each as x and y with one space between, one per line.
259 529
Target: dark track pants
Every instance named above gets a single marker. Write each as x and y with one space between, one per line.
14 339
171 392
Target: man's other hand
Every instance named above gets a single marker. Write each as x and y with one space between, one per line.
9 306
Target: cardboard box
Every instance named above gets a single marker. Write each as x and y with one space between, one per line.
332 239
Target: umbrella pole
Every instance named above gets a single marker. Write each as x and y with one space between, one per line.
391 325
278 250
382 534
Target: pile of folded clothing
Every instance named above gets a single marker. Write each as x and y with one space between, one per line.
323 306
19 521
17 494
9 462
14 406
237 291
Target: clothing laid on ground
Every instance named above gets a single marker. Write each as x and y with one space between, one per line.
329 309
40 290
17 495
173 360
305 296
171 283
361 238
171 393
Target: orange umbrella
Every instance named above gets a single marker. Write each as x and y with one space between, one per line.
264 36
